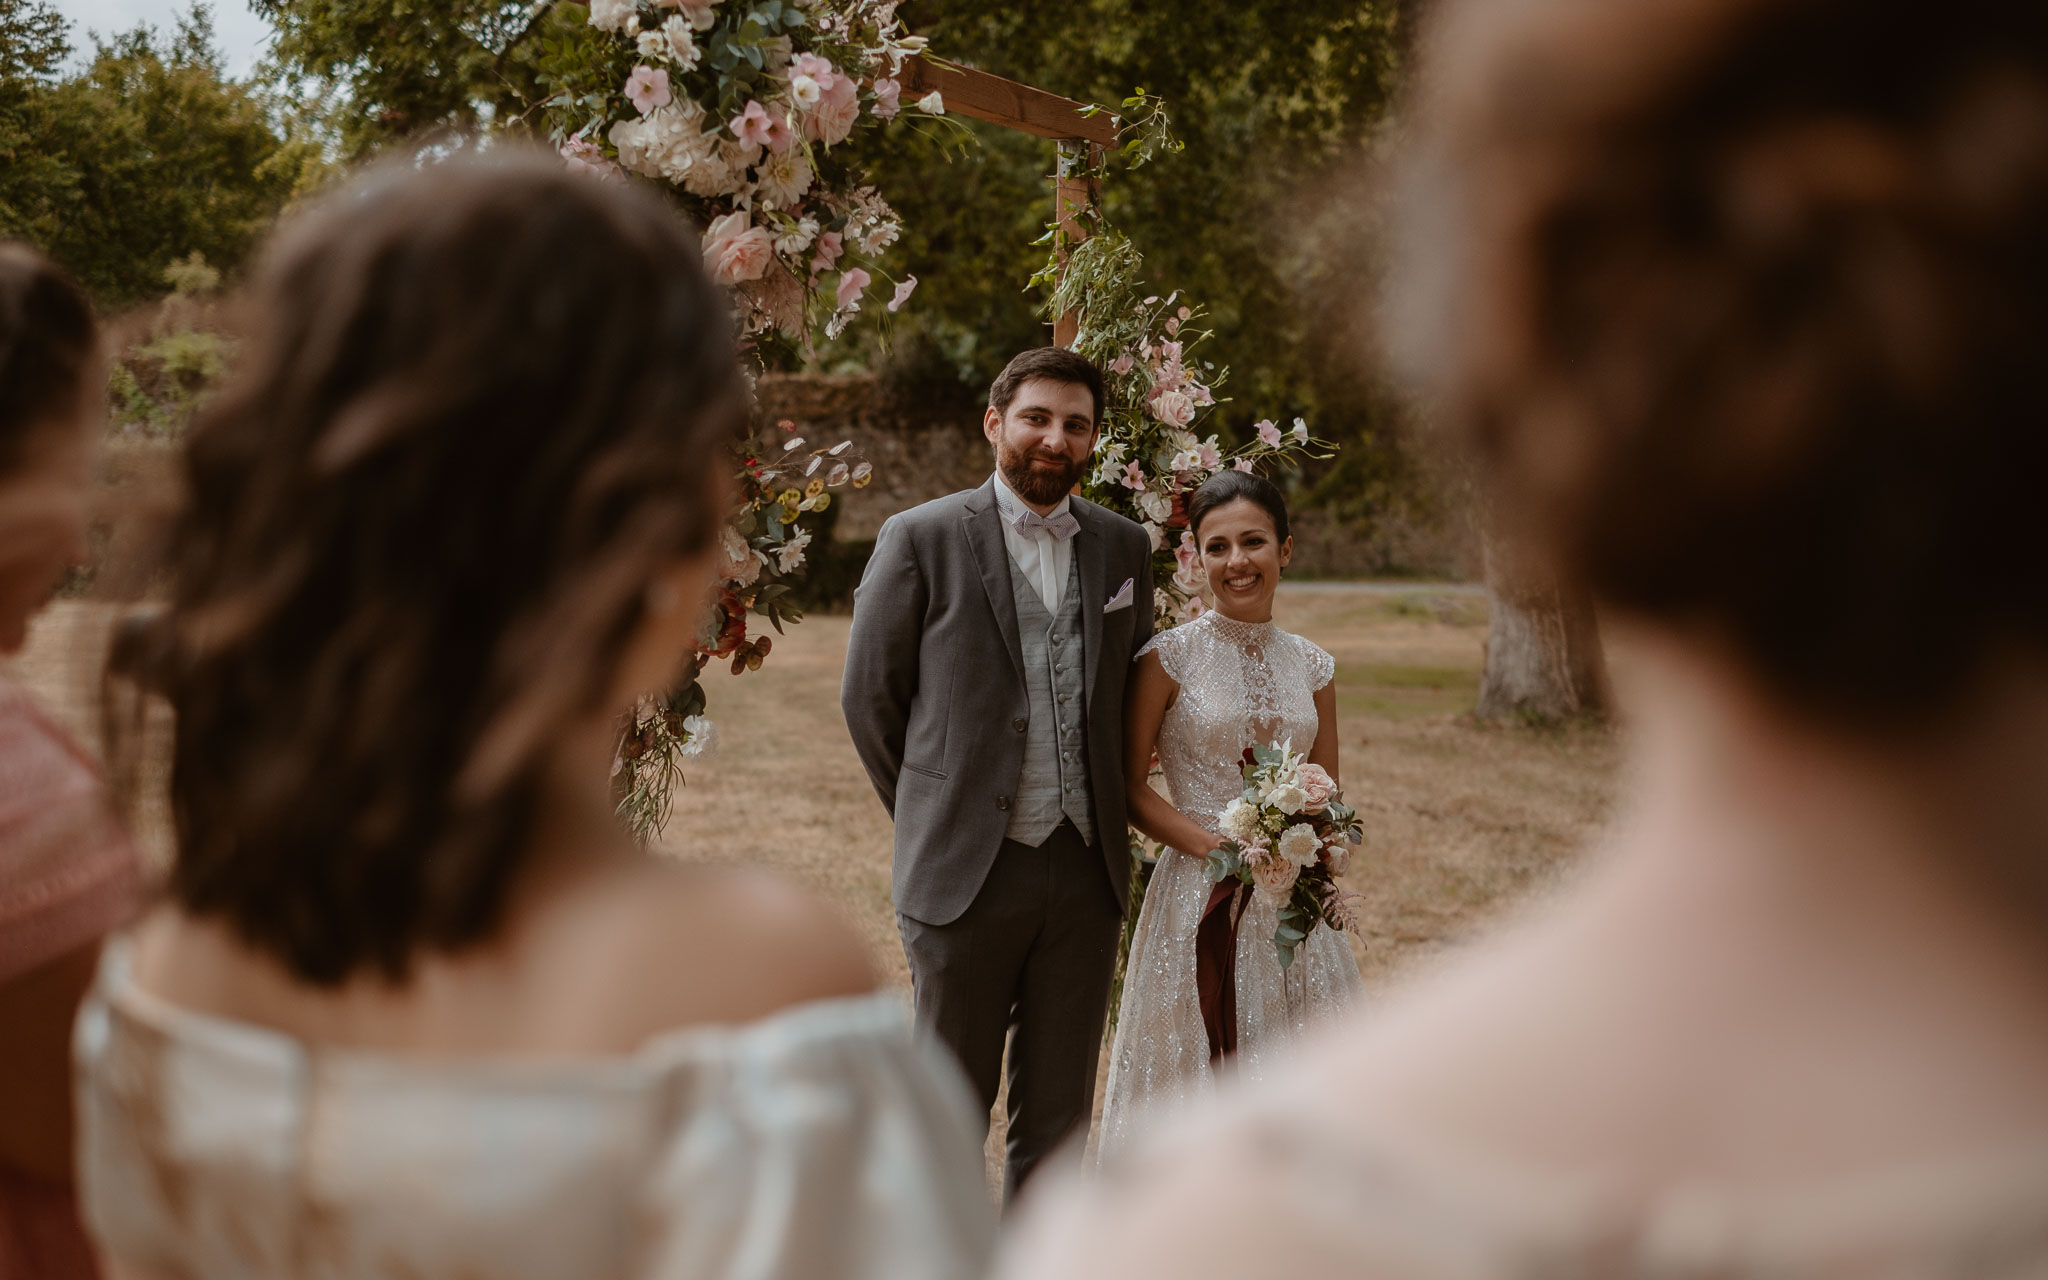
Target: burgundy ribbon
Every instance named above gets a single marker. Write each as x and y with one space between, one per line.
1216 967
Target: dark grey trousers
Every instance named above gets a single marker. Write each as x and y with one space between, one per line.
1030 960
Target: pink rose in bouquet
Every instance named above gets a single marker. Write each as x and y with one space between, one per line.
1318 786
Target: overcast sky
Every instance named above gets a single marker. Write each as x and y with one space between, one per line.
241 34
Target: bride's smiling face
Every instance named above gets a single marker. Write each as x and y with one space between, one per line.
1243 556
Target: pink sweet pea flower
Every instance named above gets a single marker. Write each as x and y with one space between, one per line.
851 285
903 292
1134 476
1242 464
647 88
830 246
888 99
1269 434
754 127
1122 364
1211 456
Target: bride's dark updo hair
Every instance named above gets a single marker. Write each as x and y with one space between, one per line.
1226 487
1742 305
482 405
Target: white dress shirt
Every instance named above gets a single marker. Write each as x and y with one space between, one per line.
1043 559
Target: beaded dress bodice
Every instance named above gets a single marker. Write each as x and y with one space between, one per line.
1240 683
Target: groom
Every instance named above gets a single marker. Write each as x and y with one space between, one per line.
992 634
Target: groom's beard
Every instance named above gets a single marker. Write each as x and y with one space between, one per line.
1038 485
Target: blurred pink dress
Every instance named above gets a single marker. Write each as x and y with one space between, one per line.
68 874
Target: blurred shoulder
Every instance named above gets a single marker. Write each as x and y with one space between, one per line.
720 945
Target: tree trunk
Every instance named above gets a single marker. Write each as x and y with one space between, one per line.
1543 660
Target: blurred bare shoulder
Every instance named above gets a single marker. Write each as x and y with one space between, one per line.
684 944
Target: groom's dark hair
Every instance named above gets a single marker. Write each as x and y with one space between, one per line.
1054 364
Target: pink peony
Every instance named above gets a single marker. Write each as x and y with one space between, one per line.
647 88
903 292
851 285
888 99
735 251
1174 408
1318 786
833 117
1268 433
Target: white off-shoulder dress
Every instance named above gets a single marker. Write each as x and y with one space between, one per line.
1240 684
819 1142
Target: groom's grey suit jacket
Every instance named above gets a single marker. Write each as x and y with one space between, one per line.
934 692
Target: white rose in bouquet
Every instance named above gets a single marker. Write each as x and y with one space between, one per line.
1240 821
1300 845
1288 798
613 15
1273 879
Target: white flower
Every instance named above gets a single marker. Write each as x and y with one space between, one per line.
650 44
1273 879
1300 845
1240 820
682 45
932 104
703 736
804 91
742 562
1287 798
1187 460
789 557
1300 432
785 178
798 238
613 15
1156 505
877 236
1152 531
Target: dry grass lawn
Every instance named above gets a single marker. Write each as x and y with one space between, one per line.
1463 820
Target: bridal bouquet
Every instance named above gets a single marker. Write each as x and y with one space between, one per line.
1288 837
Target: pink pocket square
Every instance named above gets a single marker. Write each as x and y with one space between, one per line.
1122 598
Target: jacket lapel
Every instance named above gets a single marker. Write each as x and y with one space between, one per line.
1089 548
984 529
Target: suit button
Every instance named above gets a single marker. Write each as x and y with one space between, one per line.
1002 802
1020 724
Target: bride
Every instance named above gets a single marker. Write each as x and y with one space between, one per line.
1201 694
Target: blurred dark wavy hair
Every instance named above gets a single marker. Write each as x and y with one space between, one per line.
48 342
481 405
1741 306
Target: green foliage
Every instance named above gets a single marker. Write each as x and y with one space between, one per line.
156 385
148 155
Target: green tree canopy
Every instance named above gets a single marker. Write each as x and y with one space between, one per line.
148 155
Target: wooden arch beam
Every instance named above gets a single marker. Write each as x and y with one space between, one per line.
1008 103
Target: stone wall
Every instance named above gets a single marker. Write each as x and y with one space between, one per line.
924 444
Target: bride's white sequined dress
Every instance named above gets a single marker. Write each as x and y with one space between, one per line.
1240 683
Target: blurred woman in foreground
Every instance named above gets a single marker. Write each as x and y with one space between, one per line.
1742 305
418 1005
68 872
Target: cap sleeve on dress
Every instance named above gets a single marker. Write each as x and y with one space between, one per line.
837 1147
1171 646
1322 668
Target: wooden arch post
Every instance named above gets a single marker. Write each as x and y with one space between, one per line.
1080 138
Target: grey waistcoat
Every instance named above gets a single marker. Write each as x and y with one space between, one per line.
1054 783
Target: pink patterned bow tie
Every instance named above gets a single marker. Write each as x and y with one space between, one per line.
1061 526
